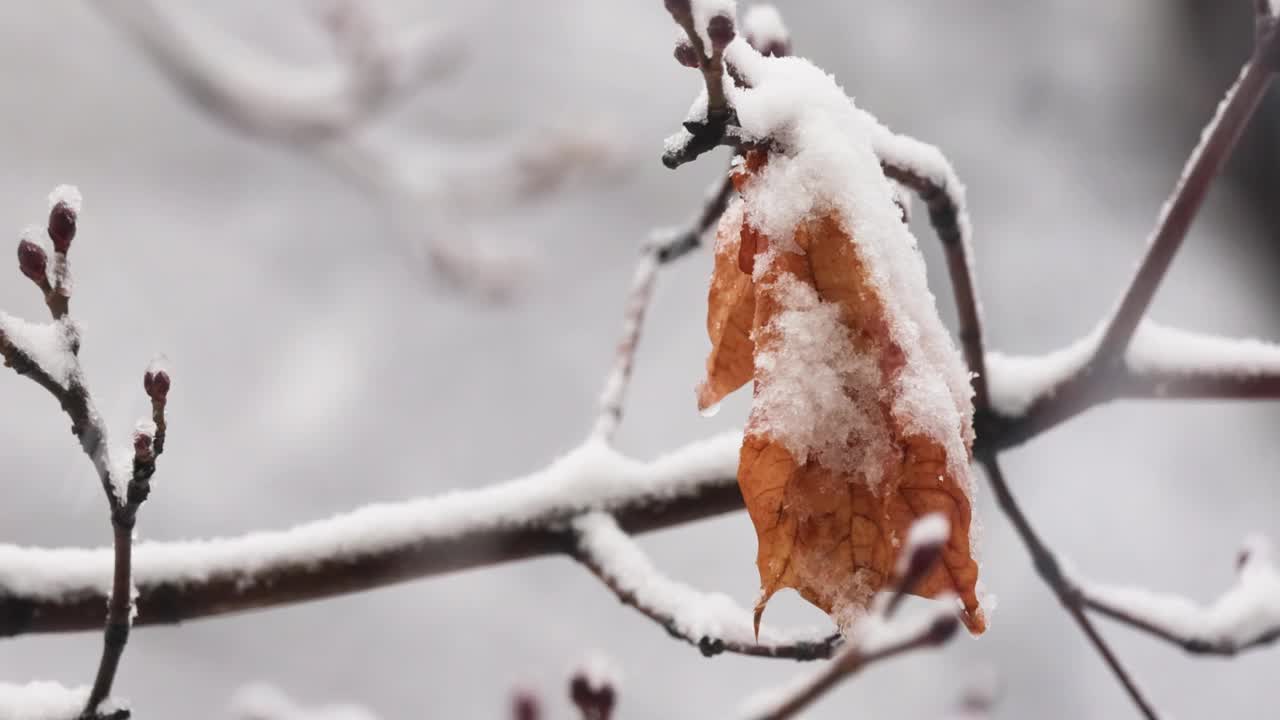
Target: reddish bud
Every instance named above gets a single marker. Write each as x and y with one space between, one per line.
686 55
720 30
33 262
594 702
156 384
62 226
141 445
526 707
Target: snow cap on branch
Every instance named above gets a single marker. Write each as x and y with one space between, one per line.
766 32
51 701
156 381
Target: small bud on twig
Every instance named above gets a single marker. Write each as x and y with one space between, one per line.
34 263
720 30
62 227
686 55
156 384
594 701
525 706
141 445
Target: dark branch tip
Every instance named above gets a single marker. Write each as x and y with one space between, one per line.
942 629
525 706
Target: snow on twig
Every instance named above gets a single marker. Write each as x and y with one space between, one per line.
711 621
51 701
1246 616
1160 361
592 477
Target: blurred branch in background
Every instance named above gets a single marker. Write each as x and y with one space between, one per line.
327 112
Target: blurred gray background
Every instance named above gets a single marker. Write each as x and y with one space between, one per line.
316 370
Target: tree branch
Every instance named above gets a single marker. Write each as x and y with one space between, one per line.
1245 617
1203 166
62 590
944 200
1046 565
713 623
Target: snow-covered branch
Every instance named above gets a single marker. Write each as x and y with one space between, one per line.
926 171
1031 394
323 112
50 590
265 702
1246 616
712 622
51 701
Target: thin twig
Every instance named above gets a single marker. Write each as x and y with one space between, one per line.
1226 647
665 248
855 658
1046 565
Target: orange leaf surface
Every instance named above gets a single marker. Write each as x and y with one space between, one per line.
835 464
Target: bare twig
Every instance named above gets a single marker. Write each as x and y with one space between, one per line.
854 658
666 246
871 641
1046 565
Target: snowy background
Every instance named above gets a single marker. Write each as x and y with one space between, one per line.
316 369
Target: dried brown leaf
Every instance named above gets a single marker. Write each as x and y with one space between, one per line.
832 522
